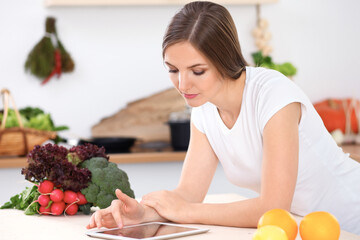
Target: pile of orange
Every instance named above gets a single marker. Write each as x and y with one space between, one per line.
279 224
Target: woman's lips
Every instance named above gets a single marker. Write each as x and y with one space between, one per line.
190 96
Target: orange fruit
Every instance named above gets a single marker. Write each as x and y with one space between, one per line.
270 232
319 226
282 219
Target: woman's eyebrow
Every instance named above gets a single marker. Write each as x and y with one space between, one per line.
195 65
167 63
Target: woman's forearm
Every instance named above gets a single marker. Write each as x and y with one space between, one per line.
244 213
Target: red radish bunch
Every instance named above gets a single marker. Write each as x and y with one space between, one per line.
54 201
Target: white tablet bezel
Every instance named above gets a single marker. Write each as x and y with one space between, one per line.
97 233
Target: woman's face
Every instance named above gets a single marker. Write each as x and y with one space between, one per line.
196 79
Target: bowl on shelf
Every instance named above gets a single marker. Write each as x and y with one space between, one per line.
112 144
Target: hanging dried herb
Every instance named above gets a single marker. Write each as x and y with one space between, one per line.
49 57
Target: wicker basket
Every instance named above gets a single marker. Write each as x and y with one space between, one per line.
18 141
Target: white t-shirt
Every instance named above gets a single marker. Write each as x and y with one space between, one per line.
328 180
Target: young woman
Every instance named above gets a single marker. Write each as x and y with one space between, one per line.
260 126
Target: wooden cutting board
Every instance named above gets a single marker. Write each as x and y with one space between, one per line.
144 119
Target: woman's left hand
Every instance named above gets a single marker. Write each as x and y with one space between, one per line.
169 205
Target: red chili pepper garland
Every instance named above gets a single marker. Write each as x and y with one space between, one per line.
49 57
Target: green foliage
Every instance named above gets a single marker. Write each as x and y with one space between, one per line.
12 121
29 112
23 200
40 61
41 122
67 64
106 177
32 118
265 61
73 158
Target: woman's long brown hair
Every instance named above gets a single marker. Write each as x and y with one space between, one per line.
210 28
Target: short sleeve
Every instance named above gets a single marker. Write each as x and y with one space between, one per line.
274 95
196 118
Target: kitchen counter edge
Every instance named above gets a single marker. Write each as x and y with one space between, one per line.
146 157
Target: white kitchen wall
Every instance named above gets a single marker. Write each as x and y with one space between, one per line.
117 51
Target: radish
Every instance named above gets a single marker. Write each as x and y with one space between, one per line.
70 197
71 209
82 199
57 195
44 210
57 208
45 187
43 200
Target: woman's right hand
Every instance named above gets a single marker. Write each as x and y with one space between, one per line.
123 211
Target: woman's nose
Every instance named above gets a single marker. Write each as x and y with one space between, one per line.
184 83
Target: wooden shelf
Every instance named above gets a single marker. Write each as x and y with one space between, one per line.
19 162
52 3
145 157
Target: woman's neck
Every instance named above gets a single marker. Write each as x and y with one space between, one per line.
229 100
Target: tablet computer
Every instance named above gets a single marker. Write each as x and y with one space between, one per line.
147 231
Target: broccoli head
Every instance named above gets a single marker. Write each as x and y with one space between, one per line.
106 177
94 163
91 192
104 199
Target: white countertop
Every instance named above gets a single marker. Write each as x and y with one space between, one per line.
14 224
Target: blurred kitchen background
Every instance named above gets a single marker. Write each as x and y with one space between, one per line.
117 55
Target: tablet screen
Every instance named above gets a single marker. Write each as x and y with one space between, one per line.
147 231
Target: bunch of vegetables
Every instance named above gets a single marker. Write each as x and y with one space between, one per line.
34 118
46 199
80 177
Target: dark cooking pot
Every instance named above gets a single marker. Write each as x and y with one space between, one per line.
112 144
180 135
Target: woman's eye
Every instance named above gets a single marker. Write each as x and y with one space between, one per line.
198 73
173 71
